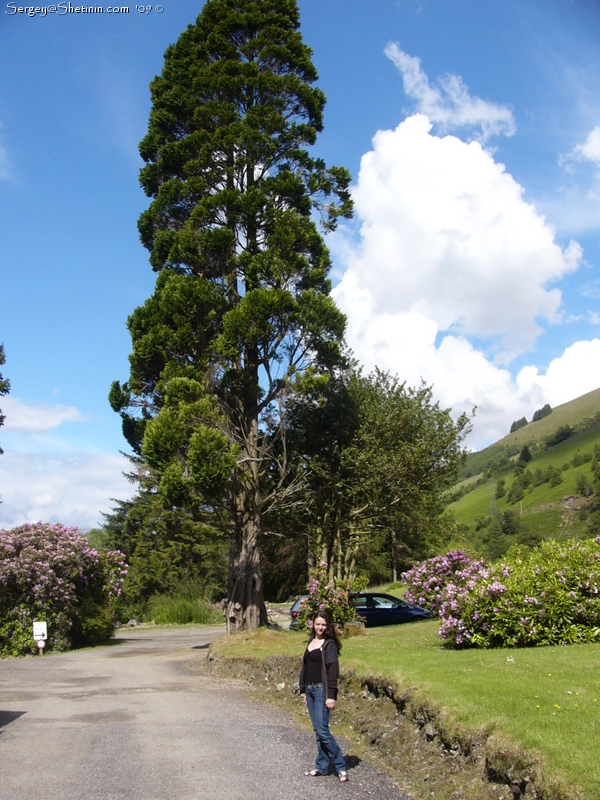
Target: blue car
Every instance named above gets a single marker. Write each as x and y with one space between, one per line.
385 609
295 613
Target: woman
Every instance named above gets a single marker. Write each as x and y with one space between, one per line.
318 687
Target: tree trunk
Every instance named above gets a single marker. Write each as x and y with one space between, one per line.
394 557
245 602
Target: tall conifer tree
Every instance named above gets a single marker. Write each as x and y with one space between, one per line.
241 304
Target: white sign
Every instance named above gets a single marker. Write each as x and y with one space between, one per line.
40 631
41 644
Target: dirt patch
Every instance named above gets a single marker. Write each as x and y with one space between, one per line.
425 753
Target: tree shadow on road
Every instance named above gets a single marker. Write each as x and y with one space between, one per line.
6 717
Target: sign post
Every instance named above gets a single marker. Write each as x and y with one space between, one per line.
40 635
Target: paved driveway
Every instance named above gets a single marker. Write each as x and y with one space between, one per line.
132 722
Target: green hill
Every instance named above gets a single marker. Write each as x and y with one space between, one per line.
574 413
508 495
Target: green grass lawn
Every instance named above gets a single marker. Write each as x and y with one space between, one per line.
545 699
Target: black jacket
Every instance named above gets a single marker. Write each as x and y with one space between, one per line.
329 672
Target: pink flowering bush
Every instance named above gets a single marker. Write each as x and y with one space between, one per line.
427 580
49 572
333 595
546 596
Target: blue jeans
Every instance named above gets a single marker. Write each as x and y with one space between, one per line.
329 753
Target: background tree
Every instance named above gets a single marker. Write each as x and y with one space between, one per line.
4 387
542 412
376 458
241 305
525 454
518 424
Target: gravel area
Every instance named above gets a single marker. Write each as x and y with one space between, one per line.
133 721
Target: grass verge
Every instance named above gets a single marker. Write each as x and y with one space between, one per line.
168 609
541 701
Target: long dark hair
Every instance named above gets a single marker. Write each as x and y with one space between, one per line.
330 631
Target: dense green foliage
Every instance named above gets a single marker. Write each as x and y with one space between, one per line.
542 412
50 573
166 548
182 607
374 457
242 304
547 595
517 424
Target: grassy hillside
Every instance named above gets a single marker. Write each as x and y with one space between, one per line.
576 412
507 500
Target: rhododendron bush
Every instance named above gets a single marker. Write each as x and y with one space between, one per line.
49 572
328 593
427 580
548 595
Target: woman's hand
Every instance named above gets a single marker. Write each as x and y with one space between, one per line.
303 699
330 704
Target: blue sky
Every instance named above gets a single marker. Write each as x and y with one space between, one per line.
472 132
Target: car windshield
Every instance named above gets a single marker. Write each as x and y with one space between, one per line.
381 601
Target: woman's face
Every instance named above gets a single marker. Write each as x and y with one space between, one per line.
320 626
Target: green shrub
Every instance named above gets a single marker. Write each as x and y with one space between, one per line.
516 492
554 476
560 435
518 424
395 585
546 596
580 458
181 610
50 573
525 454
328 593
582 485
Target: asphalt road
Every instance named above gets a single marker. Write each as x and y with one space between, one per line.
132 721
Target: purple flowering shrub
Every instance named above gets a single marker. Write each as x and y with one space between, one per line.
545 596
427 580
49 572
333 595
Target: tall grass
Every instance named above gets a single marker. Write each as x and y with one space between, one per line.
182 606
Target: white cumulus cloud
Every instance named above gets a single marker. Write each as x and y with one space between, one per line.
445 232
575 372
452 273
449 104
590 149
23 418
72 489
